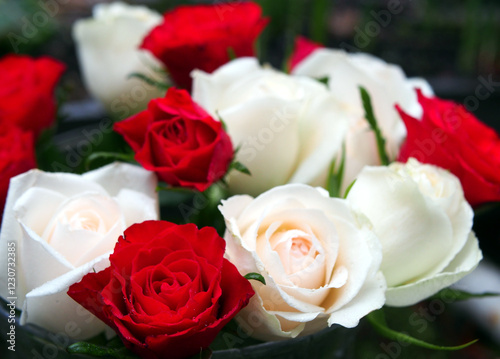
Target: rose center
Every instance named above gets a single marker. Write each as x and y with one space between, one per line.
300 247
176 132
294 249
86 220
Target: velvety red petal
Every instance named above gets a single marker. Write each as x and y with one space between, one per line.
303 48
134 129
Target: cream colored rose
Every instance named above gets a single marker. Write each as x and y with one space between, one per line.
424 224
387 86
320 261
64 226
108 52
288 128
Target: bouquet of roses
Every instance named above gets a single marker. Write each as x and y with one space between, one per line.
243 204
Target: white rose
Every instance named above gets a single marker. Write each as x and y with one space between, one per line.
424 224
289 127
108 52
387 86
64 226
319 260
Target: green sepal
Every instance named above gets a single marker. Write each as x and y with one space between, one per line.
335 176
158 84
459 295
125 157
100 351
255 276
377 320
240 167
370 117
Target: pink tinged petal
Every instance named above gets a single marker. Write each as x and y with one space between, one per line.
360 255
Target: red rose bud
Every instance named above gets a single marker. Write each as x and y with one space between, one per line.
27 92
179 140
303 48
450 137
168 290
202 36
17 155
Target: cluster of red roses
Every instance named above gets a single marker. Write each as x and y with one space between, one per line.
186 147
27 106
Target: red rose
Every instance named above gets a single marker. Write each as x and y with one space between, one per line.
168 290
303 48
198 37
27 91
178 140
450 137
17 155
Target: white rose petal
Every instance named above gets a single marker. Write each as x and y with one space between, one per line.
387 86
108 52
63 226
289 128
424 225
319 261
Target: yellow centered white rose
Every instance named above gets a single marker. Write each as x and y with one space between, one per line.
320 261
64 226
424 224
288 128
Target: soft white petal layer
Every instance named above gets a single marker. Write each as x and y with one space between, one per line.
118 175
50 307
464 263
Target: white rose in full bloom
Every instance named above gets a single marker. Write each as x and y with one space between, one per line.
108 52
289 128
424 224
64 226
320 261
387 86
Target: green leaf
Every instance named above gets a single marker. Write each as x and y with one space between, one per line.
224 127
377 320
335 176
255 276
231 54
348 189
370 117
158 84
100 351
452 294
323 80
175 189
238 166
126 157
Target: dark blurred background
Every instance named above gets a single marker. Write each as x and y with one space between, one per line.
455 45
451 43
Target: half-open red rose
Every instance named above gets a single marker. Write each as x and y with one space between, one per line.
168 290
179 140
450 137
17 155
201 36
27 92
